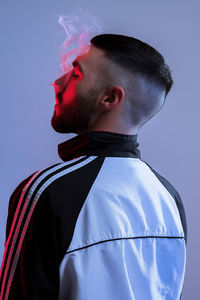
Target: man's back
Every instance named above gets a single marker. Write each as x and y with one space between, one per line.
128 235
103 225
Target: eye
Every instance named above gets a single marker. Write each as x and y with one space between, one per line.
75 75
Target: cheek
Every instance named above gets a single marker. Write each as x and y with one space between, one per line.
69 94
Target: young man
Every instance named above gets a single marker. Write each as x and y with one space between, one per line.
102 224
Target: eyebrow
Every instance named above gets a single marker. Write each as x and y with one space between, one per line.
76 63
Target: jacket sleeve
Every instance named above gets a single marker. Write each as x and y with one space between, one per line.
14 199
37 272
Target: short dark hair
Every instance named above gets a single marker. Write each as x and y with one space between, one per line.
142 72
137 57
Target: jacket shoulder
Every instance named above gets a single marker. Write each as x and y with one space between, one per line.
175 194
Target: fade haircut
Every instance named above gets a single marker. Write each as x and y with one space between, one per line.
149 75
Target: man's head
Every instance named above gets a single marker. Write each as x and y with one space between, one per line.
124 84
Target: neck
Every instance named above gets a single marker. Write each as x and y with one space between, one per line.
111 125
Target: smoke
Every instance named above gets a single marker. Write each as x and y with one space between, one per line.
79 27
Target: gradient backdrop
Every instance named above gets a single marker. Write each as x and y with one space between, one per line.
30 41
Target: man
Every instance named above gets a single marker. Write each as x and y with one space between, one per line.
102 224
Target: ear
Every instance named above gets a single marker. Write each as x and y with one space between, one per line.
114 98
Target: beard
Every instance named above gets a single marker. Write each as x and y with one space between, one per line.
76 117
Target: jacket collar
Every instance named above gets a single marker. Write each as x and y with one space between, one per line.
99 143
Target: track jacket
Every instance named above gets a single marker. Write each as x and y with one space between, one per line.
102 225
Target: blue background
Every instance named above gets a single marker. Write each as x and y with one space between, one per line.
29 51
